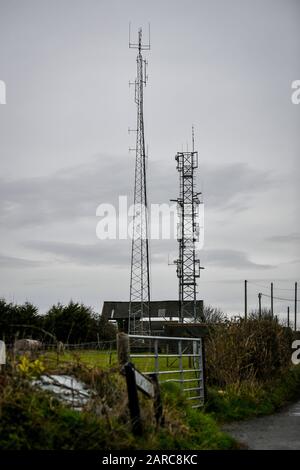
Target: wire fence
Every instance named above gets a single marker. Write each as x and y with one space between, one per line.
95 345
97 353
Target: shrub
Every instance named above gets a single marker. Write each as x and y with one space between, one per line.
242 350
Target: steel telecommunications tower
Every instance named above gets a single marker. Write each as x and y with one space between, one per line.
139 304
188 265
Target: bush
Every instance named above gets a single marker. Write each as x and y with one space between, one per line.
238 351
19 321
212 315
72 323
76 323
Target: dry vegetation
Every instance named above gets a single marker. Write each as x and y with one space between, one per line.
252 350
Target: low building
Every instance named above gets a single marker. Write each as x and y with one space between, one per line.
163 312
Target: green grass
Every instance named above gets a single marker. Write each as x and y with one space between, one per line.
253 399
108 359
33 419
203 430
234 403
94 358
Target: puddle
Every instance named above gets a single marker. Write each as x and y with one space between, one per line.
66 388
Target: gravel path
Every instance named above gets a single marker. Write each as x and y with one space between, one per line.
280 431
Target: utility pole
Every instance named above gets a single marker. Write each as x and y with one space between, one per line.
296 288
246 296
259 305
188 265
139 303
288 317
272 303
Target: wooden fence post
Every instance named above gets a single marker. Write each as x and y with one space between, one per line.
133 399
157 402
123 348
245 299
259 305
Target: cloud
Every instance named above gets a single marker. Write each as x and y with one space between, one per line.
13 262
68 194
107 252
230 259
289 238
228 186
103 253
75 192
117 253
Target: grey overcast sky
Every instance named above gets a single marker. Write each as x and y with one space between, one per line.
225 66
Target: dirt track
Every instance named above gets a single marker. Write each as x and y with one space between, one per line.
280 431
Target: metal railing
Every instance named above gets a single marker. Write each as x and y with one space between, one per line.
173 359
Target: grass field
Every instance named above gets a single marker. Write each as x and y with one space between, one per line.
93 358
108 359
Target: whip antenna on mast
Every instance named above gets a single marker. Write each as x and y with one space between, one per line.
193 139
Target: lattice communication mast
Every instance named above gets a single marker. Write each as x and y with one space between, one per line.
188 265
139 304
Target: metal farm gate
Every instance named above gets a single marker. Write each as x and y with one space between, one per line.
177 360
